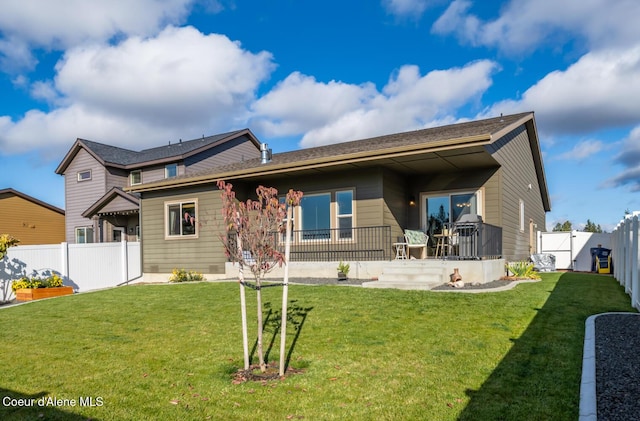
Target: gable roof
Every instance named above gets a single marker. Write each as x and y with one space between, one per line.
13 192
117 157
467 139
112 195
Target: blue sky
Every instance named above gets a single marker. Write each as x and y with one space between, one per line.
301 74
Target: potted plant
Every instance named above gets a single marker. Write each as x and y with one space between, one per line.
343 270
37 287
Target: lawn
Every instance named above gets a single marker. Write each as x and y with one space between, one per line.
170 351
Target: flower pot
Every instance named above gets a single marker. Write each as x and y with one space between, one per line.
30 294
342 276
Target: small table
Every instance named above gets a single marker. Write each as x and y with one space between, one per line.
401 250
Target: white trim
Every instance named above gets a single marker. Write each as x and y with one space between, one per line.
167 236
131 177
82 178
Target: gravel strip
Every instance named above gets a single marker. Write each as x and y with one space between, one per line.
617 343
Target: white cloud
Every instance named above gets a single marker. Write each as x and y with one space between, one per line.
404 8
143 91
326 113
59 25
600 90
584 149
526 24
629 157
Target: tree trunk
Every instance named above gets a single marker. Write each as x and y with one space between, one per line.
285 293
243 311
263 366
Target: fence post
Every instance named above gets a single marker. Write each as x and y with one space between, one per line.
125 260
64 255
634 261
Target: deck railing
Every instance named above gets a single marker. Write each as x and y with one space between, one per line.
477 241
326 245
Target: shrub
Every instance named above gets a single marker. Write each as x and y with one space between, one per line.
181 275
6 241
522 270
51 281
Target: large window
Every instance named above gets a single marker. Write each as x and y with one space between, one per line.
321 213
181 219
84 235
315 216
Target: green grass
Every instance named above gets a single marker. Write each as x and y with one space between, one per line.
169 351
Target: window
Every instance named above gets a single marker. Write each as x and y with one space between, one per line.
170 170
181 219
344 213
136 177
521 215
84 235
324 216
84 175
315 216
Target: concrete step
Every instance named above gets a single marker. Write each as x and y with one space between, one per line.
409 274
401 285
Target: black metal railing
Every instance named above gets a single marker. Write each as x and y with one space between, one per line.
476 241
326 245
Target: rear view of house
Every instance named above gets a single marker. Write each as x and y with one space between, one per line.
361 196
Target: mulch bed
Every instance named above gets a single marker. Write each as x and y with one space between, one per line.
253 374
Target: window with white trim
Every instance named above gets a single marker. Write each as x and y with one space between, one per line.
170 170
84 235
344 213
84 175
181 219
326 215
136 177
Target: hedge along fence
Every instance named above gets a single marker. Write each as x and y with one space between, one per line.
85 267
624 250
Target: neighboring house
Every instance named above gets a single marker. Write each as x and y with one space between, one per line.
359 196
30 220
97 207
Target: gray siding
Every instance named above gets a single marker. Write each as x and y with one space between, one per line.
513 152
395 205
204 254
80 195
236 150
116 178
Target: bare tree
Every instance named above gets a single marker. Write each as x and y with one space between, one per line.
252 230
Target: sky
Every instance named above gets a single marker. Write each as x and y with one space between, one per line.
138 74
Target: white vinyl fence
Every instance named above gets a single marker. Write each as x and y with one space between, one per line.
85 267
625 256
572 249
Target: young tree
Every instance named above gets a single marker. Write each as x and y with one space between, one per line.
253 226
6 241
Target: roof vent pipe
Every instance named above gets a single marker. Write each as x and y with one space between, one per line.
265 153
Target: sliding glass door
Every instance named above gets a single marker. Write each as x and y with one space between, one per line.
444 209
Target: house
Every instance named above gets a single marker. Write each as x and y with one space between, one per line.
30 220
95 175
360 196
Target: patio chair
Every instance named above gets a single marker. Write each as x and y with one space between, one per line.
416 240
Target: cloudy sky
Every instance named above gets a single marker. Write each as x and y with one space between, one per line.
299 74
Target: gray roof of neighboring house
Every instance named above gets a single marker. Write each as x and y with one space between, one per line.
121 157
